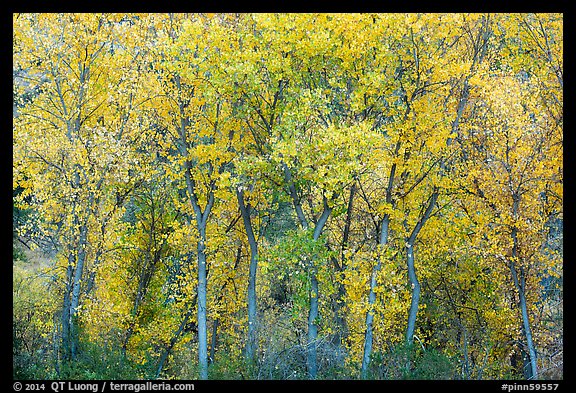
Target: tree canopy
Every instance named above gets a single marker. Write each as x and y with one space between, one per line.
288 196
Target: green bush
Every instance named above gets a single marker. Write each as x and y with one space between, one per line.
32 324
433 364
411 362
98 362
228 367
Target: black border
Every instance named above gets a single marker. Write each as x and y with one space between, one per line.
332 6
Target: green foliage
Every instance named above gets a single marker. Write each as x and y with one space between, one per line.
98 361
32 323
17 252
433 364
412 362
228 367
289 262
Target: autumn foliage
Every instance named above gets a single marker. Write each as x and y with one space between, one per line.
288 196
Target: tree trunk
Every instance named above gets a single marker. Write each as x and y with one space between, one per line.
520 284
174 339
412 277
201 220
294 196
312 327
251 344
65 319
143 282
383 240
338 302
75 295
201 310
466 361
311 353
415 296
314 292
528 334
214 340
368 335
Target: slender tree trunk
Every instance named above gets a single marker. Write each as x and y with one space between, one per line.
415 296
91 280
251 345
313 313
466 362
341 334
368 335
312 356
201 310
143 281
75 295
214 340
528 333
342 328
520 284
76 255
294 196
65 319
201 220
383 240
174 339
412 277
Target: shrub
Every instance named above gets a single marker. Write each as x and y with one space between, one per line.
100 362
411 362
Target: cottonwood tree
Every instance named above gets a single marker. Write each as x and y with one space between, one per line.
74 141
199 130
512 186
